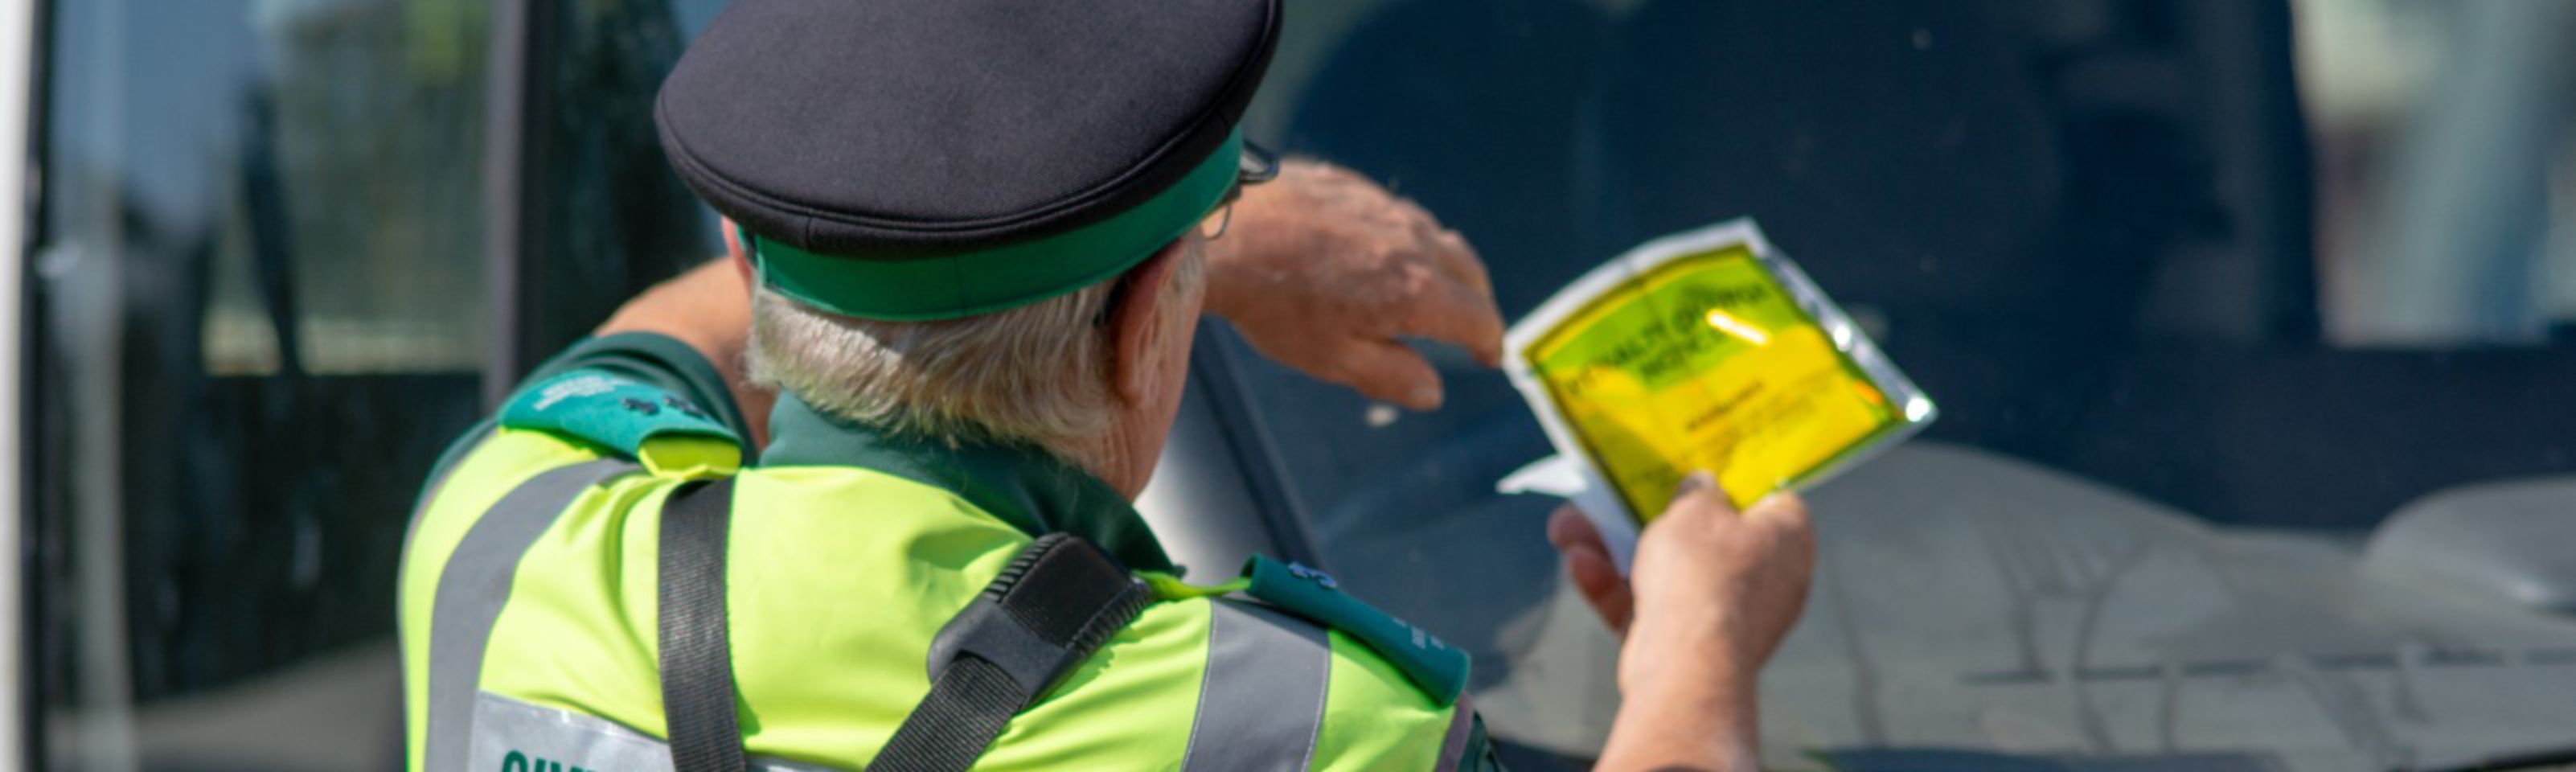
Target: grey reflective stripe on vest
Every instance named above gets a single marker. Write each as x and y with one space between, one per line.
438 475
514 736
1462 720
471 590
1262 699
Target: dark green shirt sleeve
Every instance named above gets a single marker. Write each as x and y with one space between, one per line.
1478 756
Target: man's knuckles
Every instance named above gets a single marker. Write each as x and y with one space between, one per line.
1422 284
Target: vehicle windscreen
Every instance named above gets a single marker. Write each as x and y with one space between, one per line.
2249 320
2250 325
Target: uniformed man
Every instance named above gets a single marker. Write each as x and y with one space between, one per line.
966 260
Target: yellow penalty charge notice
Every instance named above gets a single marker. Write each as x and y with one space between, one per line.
1706 350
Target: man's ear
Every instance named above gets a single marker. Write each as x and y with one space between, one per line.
1136 324
734 249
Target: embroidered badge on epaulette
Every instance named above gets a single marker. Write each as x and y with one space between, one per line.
668 434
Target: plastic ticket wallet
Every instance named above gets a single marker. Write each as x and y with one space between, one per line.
1705 350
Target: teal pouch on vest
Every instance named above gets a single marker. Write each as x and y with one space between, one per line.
609 410
1432 664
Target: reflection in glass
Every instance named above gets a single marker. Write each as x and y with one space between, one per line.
261 318
2147 255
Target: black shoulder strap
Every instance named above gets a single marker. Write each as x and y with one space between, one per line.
697 656
1046 612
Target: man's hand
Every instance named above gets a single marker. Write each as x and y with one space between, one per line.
1709 597
1323 271
1709 576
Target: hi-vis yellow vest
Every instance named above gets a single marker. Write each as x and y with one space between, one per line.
529 641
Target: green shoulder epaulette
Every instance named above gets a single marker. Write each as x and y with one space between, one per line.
1435 666
668 434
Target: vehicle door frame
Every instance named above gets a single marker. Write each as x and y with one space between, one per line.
20 21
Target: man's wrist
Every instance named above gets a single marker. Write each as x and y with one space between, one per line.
1689 726
1672 726
1669 636
1688 691
1683 684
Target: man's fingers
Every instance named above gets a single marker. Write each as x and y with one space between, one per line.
1699 491
1567 528
1786 514
1783 506
1455 301
1390 371
1600 584
1451 253
1694 482
1448 251
1588 565
1468 263
1447 311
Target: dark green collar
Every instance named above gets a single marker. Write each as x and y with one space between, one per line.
1024 486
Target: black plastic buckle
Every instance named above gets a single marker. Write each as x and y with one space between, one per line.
984 631
988 630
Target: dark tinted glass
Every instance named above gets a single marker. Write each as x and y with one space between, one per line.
606 216
265 309
260 318
2214 296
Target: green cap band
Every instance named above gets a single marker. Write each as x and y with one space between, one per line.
1003 277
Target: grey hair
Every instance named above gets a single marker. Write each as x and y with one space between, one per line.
1037 373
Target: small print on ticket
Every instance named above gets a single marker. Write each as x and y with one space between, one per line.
1706 350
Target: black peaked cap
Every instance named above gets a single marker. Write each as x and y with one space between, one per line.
896 129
